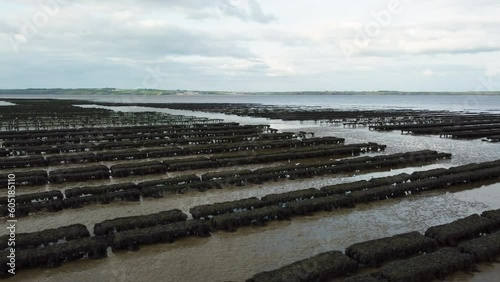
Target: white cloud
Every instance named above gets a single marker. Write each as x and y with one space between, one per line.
250 45
428 72
492 70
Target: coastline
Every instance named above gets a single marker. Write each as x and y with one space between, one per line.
161 92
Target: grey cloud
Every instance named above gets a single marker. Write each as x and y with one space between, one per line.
237 9
430 52
104 37
245 10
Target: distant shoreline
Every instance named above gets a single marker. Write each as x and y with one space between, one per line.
158 92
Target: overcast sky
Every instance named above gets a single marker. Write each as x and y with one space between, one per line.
254 45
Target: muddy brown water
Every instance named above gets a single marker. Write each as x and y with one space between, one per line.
237 256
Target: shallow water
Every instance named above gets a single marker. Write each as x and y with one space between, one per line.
3 103
237 256
97 213
477 103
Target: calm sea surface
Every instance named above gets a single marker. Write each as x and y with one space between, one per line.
478 103
236 256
